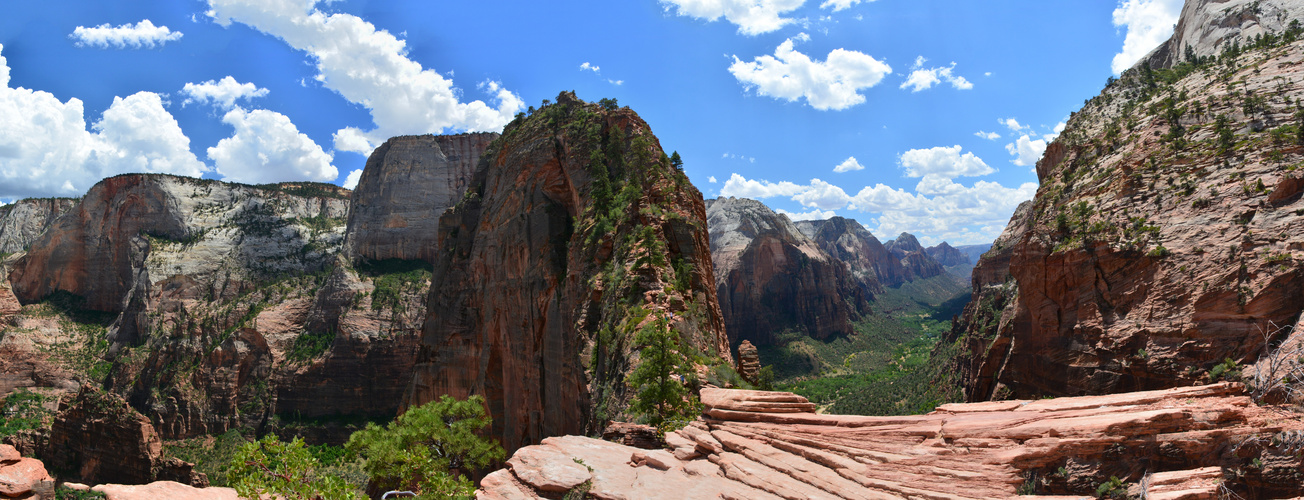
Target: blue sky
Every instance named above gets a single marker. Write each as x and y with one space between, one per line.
923 116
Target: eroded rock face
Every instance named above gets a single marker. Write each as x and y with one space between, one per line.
408 182
1163 240
868 261
752 444
947 255
575 232
914 259
22 221
772 278
1208 26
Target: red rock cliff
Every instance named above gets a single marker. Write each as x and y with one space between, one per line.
575 231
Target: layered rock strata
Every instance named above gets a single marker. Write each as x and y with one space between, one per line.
408 182
868 261
22 221
914 259
1206 27
771 278
575 233
1163 241
766 445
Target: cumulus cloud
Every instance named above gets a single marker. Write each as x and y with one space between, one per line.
834 83
267 147
815 214
922 78
943 161
848 165
753 17
1148 24
991 136
351 181
223 93
1026 151
939 209
47 150
838 5
1012 124
590 67
712 180
142 35
1059 129
370 67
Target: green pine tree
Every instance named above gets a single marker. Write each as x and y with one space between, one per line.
661 397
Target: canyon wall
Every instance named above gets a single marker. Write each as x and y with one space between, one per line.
1162 248
771 278
575 232
22 221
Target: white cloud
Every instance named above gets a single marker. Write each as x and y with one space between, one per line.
351 181
712 180
753 17
939 209
1012 124
815 214
991 136
1148 23
838 5
1026 151
141 35
47 150
943 161
848 165
223 93
831 84
1059 129
922 78
590 67
267 147
370 67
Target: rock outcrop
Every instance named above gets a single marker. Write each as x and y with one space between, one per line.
408 182
575 233
22 221
98 438
947 255
771 278
1207 27
914 260
1163 241
868 261
749 362
23 478
769 445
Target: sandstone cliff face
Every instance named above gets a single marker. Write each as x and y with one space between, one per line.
771 278
868 261
770 445
575 232
407 184
22 221
1207 27
947 255
914 260
1163 239
232 306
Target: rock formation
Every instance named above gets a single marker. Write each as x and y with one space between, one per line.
227 305
24 220
868 261
769 445
23 478
772 278
1206 27
99 438
916 262
749 362
407 184
1163 242
947 255
574 233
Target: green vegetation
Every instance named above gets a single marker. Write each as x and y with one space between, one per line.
212 455
660 396
309 345
892 365
1228 370
71 494
288 470
1113 488
429 448
393 279
23 410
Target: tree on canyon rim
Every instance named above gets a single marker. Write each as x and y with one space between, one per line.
661 397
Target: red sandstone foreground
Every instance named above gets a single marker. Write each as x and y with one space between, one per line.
1185 443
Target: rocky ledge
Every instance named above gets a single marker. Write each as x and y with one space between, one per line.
1178 443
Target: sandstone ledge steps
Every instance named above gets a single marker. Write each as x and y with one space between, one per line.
753 444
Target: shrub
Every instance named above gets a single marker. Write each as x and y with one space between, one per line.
429 448
288 470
